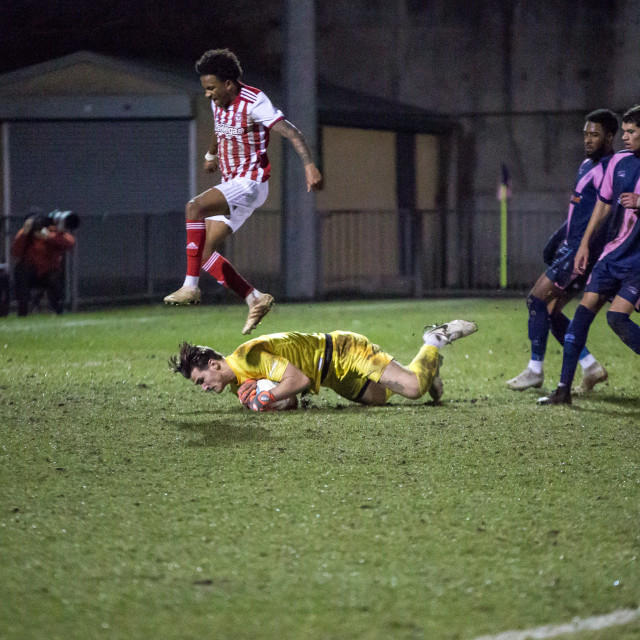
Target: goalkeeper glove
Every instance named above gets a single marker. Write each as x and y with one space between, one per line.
247 391
261 401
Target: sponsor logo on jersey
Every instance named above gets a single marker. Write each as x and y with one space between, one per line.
621 173
227 130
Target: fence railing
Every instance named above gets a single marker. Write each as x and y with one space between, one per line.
136 257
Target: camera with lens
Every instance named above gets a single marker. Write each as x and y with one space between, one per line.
39 223
63 220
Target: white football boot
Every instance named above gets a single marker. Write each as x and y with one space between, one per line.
184 297
258 309
526 380
592 375
450 331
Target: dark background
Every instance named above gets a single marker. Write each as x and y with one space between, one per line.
163 31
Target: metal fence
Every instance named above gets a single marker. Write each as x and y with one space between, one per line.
528 232
128 258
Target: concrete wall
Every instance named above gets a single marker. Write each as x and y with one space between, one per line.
519 76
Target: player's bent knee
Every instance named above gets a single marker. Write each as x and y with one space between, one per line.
413 393
375 395
194 210
536 305
408 388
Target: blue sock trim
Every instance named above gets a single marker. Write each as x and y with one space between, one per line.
559 325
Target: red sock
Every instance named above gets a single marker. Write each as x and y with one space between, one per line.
222 270
196 234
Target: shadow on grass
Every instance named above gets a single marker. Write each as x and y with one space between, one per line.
228 427
223 432
627 405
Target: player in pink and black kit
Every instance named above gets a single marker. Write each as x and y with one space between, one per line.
616 275
561 282
244 118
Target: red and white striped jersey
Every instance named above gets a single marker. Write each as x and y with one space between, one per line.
243 135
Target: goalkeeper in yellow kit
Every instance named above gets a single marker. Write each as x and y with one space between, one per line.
349 363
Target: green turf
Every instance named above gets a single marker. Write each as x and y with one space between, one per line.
133 505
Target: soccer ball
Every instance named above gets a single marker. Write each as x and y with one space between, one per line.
267 385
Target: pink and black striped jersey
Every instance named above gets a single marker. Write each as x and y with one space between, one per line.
243 135
622 176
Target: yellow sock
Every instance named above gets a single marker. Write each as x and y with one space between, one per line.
425 366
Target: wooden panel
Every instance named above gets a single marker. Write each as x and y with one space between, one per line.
359 169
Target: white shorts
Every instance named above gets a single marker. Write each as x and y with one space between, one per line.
243 196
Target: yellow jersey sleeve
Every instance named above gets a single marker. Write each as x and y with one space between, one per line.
257 363
269 355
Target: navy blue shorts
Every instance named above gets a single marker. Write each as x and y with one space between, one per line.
561 271
608 280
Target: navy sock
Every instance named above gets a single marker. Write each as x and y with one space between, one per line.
574 342
538 327
559 325
627 330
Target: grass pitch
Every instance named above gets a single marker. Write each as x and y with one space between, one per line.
133 505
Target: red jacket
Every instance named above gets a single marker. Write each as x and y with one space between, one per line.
44 254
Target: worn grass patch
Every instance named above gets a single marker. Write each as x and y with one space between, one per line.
135 506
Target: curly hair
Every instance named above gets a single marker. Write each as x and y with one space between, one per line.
632 116
606 118
222 63
191 356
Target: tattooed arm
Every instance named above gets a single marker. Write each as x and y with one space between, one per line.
311 172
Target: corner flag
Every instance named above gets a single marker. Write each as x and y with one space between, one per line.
504 191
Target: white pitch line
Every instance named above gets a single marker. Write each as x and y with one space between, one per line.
594 623
64 324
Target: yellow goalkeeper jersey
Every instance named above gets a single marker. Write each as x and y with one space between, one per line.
351 360
268 356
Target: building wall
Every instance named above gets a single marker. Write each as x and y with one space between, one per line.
519 77
359 169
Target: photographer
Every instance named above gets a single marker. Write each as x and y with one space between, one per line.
38 250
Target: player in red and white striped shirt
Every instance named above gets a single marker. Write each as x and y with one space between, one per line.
244 118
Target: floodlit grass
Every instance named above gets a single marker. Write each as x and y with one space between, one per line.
134 505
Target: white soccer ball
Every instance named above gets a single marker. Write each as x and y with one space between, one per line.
265 384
